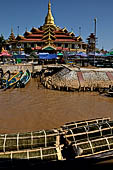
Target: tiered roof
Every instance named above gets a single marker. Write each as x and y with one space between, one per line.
49 33
12 36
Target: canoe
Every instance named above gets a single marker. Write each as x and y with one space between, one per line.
110 93
24 79
13 80
4 78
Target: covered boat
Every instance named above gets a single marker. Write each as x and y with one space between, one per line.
25 78
94 137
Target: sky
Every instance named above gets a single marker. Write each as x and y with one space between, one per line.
71 14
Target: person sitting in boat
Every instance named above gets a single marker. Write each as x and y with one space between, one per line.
69 151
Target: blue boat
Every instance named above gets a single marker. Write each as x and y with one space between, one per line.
13 80
25 78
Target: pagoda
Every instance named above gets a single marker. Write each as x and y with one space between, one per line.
12 36
48 37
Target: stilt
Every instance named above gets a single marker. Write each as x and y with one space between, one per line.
58 87
91 88
67 88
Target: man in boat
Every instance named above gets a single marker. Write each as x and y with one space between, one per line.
69 151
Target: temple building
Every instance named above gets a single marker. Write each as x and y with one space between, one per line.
91 43
47 37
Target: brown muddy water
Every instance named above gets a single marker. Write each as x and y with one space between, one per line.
35 108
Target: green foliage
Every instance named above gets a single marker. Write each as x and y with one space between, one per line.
2 42
33 55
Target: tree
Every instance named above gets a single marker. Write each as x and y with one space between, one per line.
27 50
2 42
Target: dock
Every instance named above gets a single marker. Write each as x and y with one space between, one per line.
66 77
77 79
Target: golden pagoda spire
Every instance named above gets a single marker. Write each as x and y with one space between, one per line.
12 36
49 20
11 30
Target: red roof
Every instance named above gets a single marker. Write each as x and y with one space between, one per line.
65 49
62 35
5 53
59 31
33 40
35 35
61 48
66 40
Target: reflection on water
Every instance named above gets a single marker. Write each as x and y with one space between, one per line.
33 108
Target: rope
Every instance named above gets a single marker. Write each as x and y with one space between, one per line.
4 142
45 138
27 154
97 120
11 155
41 154
109 127
91 146
17 141
86 132
75 124
31 139
100 129
87 123
72 135
73 138
107 143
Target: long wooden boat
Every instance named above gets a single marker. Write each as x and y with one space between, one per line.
25 78
4 78
13 80
110 93
34 148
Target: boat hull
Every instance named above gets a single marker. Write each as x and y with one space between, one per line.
13 80
24 79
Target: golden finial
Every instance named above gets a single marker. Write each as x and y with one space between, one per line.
49 20
11 29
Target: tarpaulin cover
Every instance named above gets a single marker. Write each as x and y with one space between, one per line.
47 56
19 56
5 53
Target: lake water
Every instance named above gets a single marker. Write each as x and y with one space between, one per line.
35 108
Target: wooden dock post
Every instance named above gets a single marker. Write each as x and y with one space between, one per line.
58 87
67 88
91 88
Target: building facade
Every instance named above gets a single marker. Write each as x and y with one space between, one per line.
48 37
